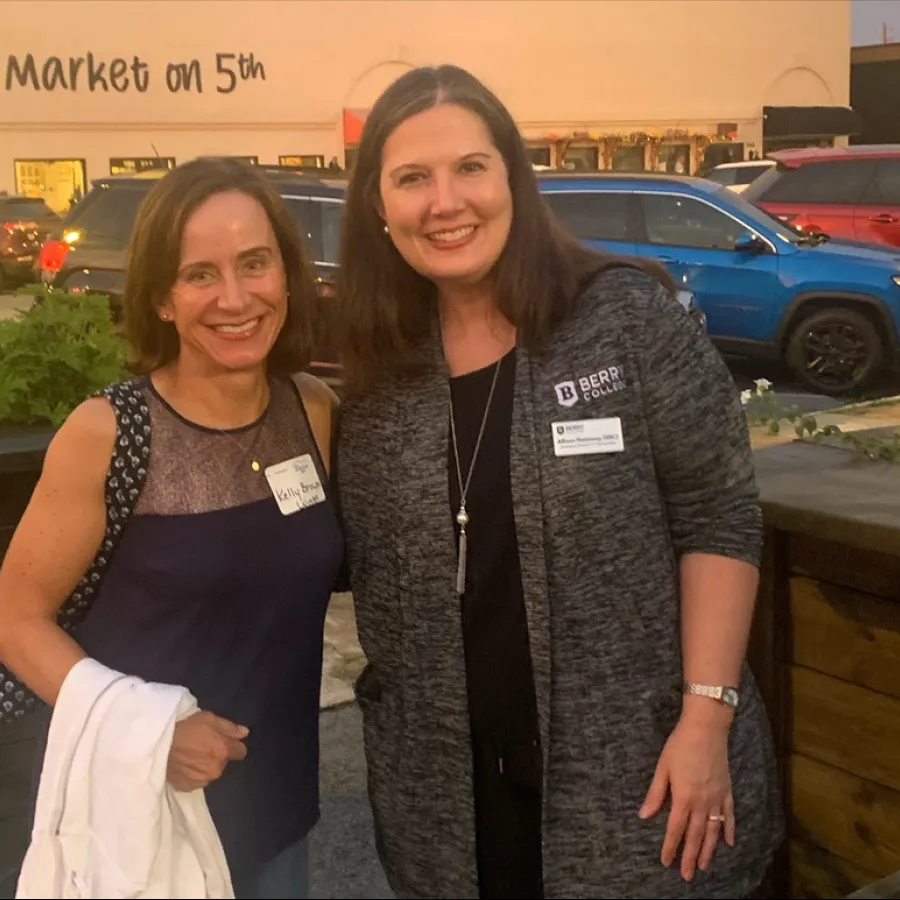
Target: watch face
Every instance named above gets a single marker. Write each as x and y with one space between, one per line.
730 696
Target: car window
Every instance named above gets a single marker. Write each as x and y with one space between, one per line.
332 216
721 176
758 218
839 181
748 174
319 221
685 222
592 216
884 188
16 208
107 215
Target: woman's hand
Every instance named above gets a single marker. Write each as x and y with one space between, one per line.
202 746
694 768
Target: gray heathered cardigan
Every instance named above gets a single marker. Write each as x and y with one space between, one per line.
599 537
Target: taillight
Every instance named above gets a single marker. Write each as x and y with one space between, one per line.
20 226
52 256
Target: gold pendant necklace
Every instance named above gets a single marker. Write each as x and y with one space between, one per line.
258 428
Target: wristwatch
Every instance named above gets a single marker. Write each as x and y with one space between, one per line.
726 695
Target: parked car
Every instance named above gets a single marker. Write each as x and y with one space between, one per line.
829 308
24 223
86 252
738 176
845 192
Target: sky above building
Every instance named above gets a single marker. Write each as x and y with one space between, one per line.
869 18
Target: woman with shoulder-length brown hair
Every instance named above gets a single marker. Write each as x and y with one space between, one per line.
553 536
190 510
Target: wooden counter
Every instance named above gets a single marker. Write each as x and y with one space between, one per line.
826 651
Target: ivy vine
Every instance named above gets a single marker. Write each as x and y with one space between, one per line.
767 412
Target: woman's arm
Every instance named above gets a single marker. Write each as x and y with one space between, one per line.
54 544
718 596
704 465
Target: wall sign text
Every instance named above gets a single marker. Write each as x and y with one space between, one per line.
93 74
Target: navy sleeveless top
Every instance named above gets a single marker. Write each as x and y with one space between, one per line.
213 588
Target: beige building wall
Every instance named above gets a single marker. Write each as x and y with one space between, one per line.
583 68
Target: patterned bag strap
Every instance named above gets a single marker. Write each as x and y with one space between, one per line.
124 482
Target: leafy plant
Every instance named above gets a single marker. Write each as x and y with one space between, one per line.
763 409
56 354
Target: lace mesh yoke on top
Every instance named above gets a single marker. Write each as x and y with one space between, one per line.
196 469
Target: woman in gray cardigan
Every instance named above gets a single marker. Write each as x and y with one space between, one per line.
553 534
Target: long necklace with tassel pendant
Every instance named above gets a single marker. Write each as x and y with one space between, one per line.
462 518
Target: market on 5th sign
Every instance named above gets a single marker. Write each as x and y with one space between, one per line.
93 73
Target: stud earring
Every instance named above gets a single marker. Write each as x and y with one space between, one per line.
387 230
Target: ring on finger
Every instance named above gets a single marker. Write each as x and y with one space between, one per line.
716 817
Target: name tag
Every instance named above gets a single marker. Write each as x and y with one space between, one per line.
586 436
295 484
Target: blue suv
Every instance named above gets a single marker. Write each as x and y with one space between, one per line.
829 308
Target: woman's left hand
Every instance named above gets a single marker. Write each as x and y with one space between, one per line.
694 768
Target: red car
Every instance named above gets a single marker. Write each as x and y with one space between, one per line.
851 193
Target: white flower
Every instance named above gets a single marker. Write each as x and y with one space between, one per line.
762 385
746 397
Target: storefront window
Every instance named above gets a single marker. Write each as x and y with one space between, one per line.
129 165
539 156
582 159
628 159
771 145
253 160
721 152
674 158
303 161
60 182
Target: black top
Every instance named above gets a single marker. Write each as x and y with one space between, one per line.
213 588
502 701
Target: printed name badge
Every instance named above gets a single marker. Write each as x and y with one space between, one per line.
588 436
295 484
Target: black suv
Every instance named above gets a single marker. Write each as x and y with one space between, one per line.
24 223
86 252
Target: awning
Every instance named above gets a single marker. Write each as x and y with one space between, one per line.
354 120
810 121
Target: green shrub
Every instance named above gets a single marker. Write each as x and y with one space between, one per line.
55 355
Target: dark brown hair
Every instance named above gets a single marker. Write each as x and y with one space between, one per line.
154 257
385 305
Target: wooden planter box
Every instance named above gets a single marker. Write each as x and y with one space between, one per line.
826 652
21 455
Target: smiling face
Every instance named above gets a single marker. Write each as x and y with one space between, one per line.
229 300
445 196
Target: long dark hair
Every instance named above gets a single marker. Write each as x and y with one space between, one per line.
154 256
385 307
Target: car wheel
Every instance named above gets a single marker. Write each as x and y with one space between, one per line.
835 351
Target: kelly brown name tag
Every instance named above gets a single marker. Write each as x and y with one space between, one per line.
295 484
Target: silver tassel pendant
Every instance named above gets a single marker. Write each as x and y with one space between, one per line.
463 519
